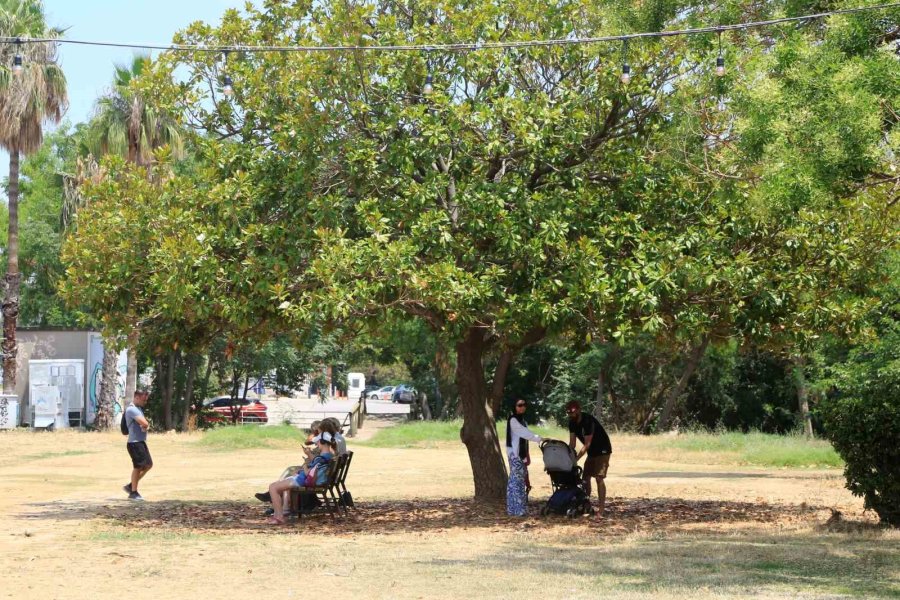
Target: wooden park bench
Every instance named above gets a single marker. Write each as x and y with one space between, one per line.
333 491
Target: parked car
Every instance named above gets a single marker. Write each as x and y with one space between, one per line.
404 393
384 393
226 410
370 392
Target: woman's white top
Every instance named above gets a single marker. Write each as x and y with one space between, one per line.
518 432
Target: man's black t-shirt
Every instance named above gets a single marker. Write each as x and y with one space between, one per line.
589 425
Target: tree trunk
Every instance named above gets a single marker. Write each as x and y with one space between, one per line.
131 368
169 391
192 360
426 410
499 381
235 387
204 389
598 400
107 396
803 394
10 305
675 392
479 432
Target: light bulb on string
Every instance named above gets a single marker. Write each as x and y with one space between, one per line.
227 83
428 88
17 59
625 78
720 60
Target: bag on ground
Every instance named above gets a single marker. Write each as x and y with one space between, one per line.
562 499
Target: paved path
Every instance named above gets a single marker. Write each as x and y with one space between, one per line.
303 411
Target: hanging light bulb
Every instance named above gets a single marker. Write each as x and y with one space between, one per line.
626 68
428 88
227 83
17 59
720 67
720 60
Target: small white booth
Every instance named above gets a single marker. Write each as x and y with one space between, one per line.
56 390
356 383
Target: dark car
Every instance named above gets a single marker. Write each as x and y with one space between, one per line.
404 393
225 410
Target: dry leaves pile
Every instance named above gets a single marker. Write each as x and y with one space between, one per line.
623 516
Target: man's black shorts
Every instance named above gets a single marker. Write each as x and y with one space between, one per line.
140 455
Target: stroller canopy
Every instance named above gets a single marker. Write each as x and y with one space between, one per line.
558 456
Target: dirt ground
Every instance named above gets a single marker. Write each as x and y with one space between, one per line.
674 529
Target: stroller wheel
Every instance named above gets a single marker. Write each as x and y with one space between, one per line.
545 510
586 508
571 512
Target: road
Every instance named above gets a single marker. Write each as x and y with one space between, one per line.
303 411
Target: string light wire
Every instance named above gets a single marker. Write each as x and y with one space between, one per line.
459 47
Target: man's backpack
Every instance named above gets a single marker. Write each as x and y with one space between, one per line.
123 425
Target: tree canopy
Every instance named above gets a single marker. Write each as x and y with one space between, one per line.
532 193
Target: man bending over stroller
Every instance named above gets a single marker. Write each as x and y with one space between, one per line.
595 443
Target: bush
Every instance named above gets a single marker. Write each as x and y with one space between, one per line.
862 419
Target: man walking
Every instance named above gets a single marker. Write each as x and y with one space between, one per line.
137 444
595 443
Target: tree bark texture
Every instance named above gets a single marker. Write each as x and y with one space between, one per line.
107 395
169 390
10 305
499 382
131 367
802 394
675 392
598 400
192 360
479 432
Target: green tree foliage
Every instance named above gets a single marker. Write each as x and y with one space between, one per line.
27 100
532 193
41 232
126 124
862 420
861 409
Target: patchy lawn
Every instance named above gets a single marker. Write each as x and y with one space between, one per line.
683 522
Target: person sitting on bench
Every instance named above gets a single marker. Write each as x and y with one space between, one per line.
315 474
310 450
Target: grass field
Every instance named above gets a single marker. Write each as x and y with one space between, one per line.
690 516
755 449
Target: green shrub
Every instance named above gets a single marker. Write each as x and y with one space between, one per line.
862 420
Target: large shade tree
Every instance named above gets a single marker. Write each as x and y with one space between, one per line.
28 99
126 124
531 193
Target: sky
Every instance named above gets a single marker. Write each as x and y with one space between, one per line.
89 69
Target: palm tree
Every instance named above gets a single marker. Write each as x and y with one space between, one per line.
125 124
27 100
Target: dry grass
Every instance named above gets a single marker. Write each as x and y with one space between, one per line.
679 528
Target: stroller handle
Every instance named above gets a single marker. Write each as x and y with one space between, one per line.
546 441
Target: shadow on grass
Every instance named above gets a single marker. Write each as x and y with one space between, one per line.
796 565
695 475
623 516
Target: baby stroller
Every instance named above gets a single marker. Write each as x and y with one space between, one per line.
568 497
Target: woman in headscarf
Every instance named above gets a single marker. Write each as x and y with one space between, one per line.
517 437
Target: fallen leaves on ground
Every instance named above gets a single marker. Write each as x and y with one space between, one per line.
623 516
